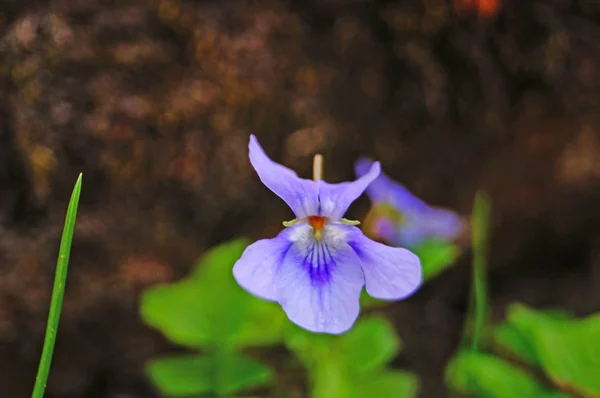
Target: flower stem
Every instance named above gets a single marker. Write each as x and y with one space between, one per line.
58 292
480 225
318 167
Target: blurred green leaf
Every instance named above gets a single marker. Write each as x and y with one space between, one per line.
211 265
568 350
308 346
351 364
323 359
557 315
388 384
486 376
181 376
178 311
436 256
370 344
514 341
330 379
367 301
210 308
223 374
517 341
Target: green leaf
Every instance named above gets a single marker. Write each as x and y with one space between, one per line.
517 341
486 376
58 292
566 349
388 384
348 365
178 310
181 376
367 301
330 379
310 347
514 341
211 265
370 344
210 308
223 374
436 256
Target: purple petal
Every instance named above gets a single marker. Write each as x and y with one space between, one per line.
319 285
386 190
300 195
384 228
256 268
430 224
421 221
334 199
391 273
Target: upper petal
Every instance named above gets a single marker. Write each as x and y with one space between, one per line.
384 189
255 270
391 273
301 195
319 285
334 199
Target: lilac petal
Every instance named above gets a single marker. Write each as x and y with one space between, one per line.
300 195
384 228
391 273
386 190
421 221
334 199
319 285
376 190
255 270
431 224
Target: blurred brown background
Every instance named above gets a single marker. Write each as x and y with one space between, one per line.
154 101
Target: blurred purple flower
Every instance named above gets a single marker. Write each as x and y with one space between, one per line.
402 219
317 266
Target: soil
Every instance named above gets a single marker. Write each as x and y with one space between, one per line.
154 101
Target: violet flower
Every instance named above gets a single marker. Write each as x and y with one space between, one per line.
317 266
400 218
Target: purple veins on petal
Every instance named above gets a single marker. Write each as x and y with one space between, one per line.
320 292
413 220
256 268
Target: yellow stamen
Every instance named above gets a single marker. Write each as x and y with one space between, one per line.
290 223
349 222
318 234
317 222
318 167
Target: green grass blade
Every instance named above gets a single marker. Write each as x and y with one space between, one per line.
480 225
57 293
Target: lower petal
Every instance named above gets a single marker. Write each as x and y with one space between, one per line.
256 268
319 286
391 273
